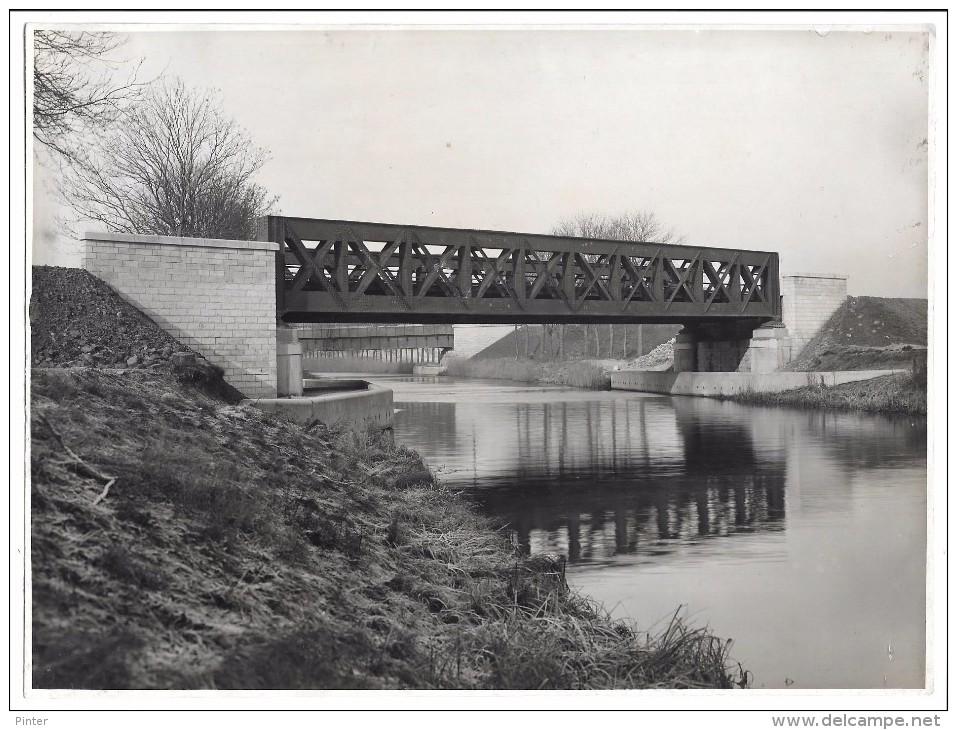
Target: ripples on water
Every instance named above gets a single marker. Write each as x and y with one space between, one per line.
799 533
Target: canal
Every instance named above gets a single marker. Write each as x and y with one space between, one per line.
801 535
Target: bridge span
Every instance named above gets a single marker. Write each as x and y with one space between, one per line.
352 271
223 297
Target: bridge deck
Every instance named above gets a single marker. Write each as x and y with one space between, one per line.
350 271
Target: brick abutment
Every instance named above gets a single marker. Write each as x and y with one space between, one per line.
216 296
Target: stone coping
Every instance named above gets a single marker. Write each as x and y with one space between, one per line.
842 277
179 241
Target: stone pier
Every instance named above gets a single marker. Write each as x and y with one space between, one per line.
732 349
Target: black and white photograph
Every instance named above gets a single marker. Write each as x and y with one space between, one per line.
546 361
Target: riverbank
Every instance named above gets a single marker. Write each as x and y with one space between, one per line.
589 374
179 541
905 393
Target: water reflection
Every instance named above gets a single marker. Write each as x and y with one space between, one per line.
600 478
799 534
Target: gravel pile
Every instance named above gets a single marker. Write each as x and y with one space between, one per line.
77 320
661 357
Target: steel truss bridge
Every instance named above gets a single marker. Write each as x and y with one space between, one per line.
351 271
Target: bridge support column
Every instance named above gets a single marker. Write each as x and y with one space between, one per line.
730 348
770 349
288 362
686 351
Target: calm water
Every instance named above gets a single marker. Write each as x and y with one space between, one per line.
801 535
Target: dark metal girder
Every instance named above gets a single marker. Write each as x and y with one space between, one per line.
322 307
330 272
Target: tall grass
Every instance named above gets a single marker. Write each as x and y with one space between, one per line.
575 374
901 393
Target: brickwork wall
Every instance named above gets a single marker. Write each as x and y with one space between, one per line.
216 296
809 301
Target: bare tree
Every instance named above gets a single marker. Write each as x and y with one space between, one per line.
78 88
172 165
638 226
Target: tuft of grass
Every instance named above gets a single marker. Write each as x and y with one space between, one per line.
119 562
79 659
918 372
900 393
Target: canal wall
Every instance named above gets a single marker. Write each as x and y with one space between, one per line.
372 404
725 384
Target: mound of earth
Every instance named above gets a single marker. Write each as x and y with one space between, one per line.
868 333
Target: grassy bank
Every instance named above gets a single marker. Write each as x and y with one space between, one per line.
576 373
180 541
902 393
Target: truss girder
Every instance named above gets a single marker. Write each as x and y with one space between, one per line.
331 269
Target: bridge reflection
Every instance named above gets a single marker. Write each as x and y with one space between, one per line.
599 475
599 478
768 523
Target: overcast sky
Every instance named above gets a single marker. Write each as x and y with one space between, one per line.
811 145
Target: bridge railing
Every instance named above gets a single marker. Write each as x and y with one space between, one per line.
332 270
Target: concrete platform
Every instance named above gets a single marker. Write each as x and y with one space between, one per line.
313 382
723 384
428 369
373 404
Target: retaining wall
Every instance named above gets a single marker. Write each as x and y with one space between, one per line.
808 302
216 296
720 384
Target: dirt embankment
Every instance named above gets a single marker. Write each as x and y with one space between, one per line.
868 333
181 541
